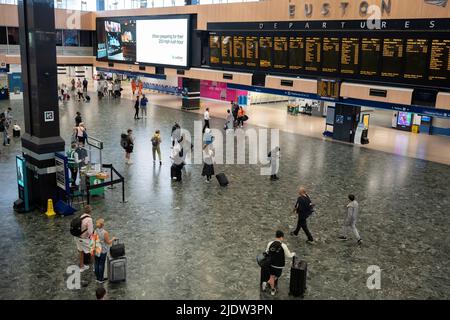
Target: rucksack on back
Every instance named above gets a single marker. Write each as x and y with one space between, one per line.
124 140
76 225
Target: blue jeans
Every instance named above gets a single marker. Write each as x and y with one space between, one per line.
100 266
5 137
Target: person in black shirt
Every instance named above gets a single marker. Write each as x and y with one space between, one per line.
304 208
78 119
136 108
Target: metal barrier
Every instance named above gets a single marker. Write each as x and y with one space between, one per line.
112 182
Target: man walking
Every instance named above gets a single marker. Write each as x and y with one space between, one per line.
85 85
136 109
144 102
156 146
274 157
350 221
304 208
206 118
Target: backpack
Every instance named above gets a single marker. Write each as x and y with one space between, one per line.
75 226
276 254
124 140
154 141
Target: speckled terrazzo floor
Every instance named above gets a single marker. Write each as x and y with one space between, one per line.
199 241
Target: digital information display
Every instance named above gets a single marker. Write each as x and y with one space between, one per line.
296 53
416 54
392 57
239 50
252 51
116 40
280 48
331 54
265 51
350 55
163 41
370 56
226 50
313 53
214 49
439 68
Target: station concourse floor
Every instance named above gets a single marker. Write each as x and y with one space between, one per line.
194 240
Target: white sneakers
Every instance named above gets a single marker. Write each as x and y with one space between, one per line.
84 268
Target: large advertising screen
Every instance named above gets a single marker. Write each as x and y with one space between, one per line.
163 41
146 40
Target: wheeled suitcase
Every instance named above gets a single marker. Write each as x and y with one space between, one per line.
16 133
222 178
117 269
299 271
87 98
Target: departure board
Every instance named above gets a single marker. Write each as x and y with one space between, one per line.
349 55
313 50
227 52
252 51
330 54
392 57
239 50
416 53
265 51
370 56
280 48
296 53
439 67
214 49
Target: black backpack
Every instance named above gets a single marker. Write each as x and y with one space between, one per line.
75 226
276 254
124 140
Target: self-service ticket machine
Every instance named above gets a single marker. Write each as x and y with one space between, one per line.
23 203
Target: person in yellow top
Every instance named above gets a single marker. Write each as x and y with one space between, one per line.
156 146
241 115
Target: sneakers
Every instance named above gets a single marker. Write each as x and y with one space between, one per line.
100 282
342 238
160 163
360 241
84 268
310 242
264 286
293 234
273 292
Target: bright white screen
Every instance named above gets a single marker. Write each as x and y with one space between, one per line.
162 41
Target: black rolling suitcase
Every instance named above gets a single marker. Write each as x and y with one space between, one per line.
175 171
222 178
297 284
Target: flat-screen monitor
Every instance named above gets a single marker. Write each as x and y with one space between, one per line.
404 119
20 176
163 41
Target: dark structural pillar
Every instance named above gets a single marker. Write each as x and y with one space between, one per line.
191 94
346 118
40 100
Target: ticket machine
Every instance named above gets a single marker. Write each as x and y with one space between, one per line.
23 203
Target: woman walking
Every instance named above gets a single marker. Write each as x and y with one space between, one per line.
208 162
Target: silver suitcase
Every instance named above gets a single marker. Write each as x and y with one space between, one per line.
117 269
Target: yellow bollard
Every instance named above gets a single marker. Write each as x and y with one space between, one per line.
50 212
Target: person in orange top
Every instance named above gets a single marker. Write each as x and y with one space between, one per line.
133 86
141 85
241 114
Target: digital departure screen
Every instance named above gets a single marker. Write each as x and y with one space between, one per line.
252 51
350 55
370 56
214 49
439 67
296 53
226 50
331 54
265 50
392 57
239 50
313 50
416 53
280 47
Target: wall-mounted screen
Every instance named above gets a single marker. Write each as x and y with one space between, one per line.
214 49
392 57
227 50
330 54
239 50
439 66
416 53
313 50
163 41
252 51
280 48
265 51
370 56
296 53
145 40
349 55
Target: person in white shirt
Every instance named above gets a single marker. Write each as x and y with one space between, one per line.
82 242
350 221
208 161
278 252
229 124
206 118
110 88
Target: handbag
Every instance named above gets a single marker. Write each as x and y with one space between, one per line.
95 245
263 259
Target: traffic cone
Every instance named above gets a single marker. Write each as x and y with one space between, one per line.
50 212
